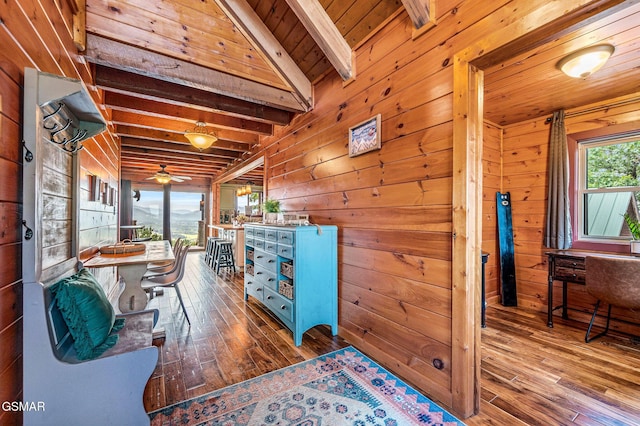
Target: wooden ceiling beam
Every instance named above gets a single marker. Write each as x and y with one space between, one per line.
112 79
421 12
252 27
173 138
322 29
122 102
114 54
163 124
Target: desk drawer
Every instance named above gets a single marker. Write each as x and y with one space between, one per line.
570 263
569 274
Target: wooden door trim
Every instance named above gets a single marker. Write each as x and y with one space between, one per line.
531 30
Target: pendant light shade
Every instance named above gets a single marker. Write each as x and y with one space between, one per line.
200 137
584 62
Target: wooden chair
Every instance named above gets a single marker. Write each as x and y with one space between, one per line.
149 284
613 280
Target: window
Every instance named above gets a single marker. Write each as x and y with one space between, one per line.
608 186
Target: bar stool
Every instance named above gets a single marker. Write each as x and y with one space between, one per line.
210 251
224 256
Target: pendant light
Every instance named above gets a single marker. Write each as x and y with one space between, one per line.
200 137
584 62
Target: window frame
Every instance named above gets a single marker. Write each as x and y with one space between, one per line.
581 240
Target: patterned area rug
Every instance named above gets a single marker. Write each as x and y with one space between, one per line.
341 388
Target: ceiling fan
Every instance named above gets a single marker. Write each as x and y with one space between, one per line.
162 176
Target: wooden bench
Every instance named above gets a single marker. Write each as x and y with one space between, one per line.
63 390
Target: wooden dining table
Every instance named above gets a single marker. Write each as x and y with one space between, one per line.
131 267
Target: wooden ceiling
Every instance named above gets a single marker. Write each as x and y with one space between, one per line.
242 67
246 66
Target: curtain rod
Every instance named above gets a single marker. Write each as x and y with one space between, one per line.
596 109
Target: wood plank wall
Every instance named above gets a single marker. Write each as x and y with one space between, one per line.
38 35
525 176
492 183
392 206
10 237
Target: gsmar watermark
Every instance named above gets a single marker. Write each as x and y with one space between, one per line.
23 406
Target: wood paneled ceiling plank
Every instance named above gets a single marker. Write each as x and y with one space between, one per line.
205 155
224 50
154 157
124 130
128 83
140 61
245 18
121 102
225 137
318 23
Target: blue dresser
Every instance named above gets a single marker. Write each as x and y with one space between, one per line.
293 271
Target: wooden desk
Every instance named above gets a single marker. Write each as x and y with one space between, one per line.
568 266
131 269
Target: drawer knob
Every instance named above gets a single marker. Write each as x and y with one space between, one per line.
259 289
269 297
258 273
271 261
271 279
283 307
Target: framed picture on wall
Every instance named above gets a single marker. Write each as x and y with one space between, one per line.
365 136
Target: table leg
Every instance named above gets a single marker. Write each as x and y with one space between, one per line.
133 297
564 300
550 303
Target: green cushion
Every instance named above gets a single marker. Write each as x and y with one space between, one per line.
87 313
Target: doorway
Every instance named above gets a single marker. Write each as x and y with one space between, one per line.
527 33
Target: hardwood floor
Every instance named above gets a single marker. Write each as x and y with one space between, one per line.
531 375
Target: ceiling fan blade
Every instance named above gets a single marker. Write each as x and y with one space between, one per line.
149 178
176 178
183 177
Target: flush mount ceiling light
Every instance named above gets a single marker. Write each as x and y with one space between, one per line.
200 137
584 62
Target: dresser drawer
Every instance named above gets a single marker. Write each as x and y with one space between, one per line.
278 304
258 243
254 288
285 251
267 260
271 234
249 241
258 233
286 237
265 276
271 247
249 231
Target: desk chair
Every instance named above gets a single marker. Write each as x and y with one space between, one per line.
613 280
149 284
